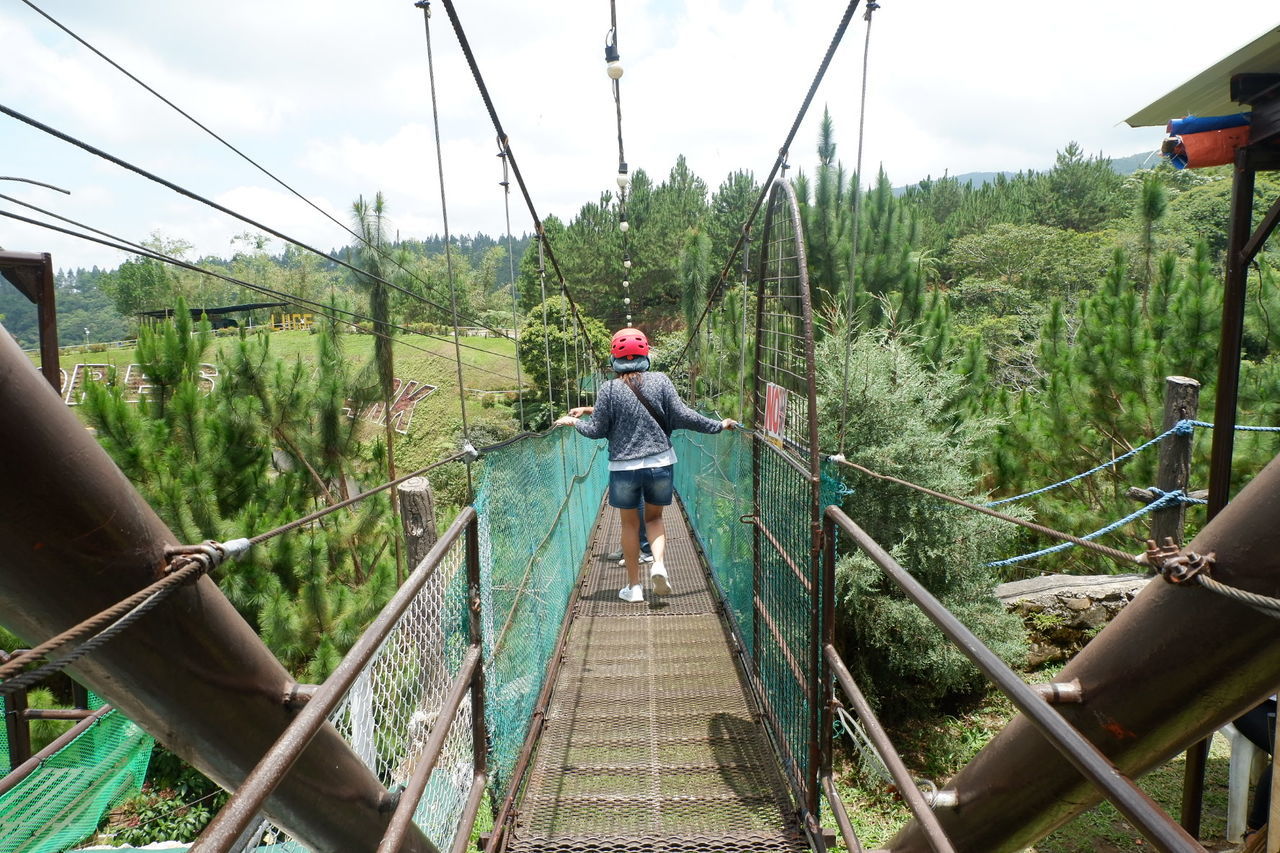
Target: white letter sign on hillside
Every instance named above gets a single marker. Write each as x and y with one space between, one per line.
775 410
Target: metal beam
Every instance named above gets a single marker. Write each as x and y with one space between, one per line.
75 538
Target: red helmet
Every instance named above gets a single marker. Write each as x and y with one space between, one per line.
629 343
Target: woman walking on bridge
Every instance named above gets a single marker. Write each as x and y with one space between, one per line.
637 412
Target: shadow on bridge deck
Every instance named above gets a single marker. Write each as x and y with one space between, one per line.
652 740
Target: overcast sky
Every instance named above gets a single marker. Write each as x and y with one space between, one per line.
333 98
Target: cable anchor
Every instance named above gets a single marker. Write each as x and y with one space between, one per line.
1174 564
212 554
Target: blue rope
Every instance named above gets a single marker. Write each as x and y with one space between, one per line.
1180 428
1164 500
1239 428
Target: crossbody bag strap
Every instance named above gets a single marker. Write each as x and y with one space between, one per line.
648 407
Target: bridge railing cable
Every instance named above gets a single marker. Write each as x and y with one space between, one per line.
365 698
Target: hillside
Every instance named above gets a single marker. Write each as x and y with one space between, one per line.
433 426
1120 165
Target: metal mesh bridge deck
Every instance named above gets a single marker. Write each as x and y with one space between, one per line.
652 741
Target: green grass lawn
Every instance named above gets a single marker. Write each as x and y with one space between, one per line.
436 426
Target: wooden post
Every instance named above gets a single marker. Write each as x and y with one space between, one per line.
1181 402
418 514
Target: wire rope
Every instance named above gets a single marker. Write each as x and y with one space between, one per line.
194 196
328 311
386 256
99 628
851 297
448 254
1106 551
778 164
511 269
511 157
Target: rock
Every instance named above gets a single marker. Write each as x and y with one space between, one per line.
1063 612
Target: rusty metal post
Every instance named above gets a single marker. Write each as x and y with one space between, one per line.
32 274
1233 309
17 728
47 318
479 725
75 538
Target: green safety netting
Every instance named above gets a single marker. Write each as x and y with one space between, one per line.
773 606
713 479
63 800
537 501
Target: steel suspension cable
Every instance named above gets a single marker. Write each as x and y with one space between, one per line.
384 255
511 271
851 297
194 196
778 164
97 629
511 157
448 254
328 311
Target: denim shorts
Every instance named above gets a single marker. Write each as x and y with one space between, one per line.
628 488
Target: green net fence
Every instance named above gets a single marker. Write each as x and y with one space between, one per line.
394 705
773 604
63 801
713 479
537 499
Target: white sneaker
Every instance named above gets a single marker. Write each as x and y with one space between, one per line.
632 594
644 558
658 575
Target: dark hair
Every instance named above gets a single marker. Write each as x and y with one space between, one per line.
634 378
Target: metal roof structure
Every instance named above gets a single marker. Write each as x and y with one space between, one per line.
1208 93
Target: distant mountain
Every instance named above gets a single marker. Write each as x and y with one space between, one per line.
1122 166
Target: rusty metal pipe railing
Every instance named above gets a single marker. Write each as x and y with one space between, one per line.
244 805
1154 824
25 769
462 838
888 753
847 835
402 818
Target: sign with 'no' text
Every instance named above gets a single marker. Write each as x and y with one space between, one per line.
775 410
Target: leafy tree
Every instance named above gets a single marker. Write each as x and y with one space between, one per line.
1080 193
558 361
258 450
903 429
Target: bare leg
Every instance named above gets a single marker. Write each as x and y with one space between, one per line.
657 531
631 543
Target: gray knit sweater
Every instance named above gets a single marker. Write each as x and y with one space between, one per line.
631 430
